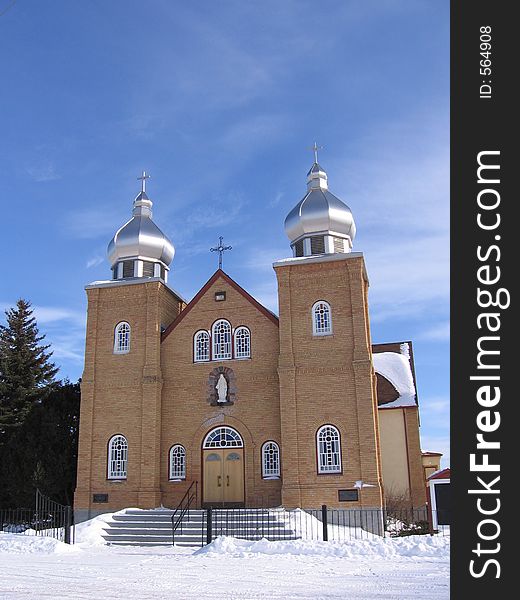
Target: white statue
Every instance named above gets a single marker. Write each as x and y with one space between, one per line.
221 388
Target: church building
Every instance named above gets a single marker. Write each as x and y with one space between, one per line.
297 409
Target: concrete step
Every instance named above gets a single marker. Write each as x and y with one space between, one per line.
163 539
137 527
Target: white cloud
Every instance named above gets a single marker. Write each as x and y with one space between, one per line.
435 404
64 330
435 414
247 135
94 261
262 259
46 315
266 293
42 173
408 277
437 333
222 211
398 189
276 200
93 222
66 348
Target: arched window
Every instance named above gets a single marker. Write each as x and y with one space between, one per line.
221 340
328 448
201 346
177 462
242 343
321 318
122 338
223 437
117 457
270 460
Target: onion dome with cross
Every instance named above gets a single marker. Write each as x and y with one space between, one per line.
320 223
139 248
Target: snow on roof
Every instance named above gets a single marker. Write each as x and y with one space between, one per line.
397 370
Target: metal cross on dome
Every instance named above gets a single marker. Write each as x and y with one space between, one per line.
143 179
220 249
315 149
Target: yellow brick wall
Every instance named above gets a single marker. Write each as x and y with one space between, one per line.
294 383
121 393
327 379
186 414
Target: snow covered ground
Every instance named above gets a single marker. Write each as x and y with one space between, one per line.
396 568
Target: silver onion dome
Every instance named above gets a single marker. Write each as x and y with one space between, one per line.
139 248
320 223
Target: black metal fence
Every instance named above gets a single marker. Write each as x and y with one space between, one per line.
327 524
48 518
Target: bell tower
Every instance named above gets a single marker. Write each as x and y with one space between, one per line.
120 419
329 421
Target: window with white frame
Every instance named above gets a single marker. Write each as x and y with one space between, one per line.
117 457
270 460
223 437
242 343
177 462
321 318
221 334
328 448
122 338
201 346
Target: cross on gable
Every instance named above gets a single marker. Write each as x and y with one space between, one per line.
220 249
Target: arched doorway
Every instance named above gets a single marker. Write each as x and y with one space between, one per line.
223 468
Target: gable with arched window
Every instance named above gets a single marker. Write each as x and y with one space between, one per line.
201 346
328 449
122 338
117 457
242 342
221 339
177 462
321 318
270 460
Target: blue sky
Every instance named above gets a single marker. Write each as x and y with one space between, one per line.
220 103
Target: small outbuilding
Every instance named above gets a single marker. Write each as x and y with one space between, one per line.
439 498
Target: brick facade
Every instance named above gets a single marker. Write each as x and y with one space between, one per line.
157 396
327 379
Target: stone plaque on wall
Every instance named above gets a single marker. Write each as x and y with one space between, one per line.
348 495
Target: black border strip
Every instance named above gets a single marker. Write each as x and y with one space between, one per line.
482 122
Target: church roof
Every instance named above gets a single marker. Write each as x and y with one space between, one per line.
442 474
394 362
219 274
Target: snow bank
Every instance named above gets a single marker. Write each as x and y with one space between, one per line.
13 543
308 526
413 547
89 533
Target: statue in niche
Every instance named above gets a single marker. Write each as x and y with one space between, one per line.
222 388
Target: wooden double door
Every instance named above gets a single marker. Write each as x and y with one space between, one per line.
223 477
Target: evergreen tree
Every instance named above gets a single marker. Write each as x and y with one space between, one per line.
42 452
25 368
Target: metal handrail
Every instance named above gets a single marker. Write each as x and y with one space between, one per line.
188 497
